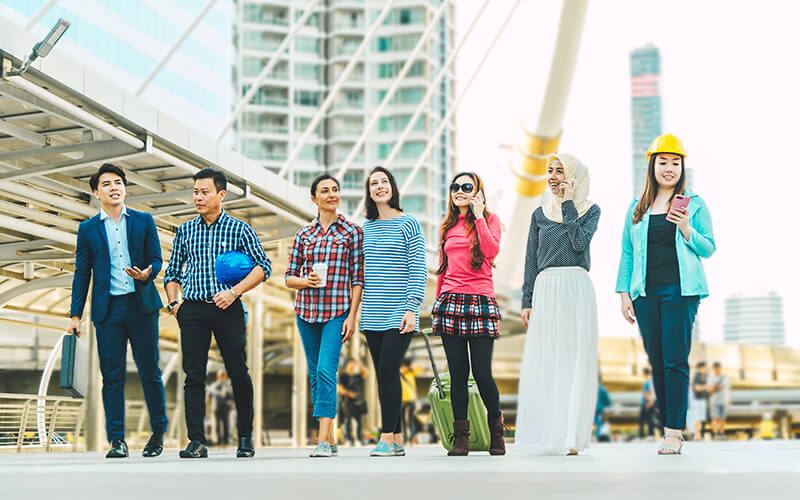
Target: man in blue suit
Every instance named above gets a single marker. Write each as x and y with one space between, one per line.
120 250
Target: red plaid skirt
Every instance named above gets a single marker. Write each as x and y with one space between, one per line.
466 316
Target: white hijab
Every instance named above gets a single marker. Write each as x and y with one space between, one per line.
573 170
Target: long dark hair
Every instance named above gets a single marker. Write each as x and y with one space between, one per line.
321 178
451 219
394 201
651 188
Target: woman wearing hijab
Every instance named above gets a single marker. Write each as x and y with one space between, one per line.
558 377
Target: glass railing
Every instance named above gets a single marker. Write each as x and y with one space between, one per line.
266 101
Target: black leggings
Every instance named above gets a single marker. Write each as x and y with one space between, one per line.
480 351
388 349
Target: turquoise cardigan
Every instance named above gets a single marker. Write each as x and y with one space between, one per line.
631 276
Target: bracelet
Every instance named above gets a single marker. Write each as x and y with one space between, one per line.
234 294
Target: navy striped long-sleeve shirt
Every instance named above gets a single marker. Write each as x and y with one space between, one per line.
197 246
395 272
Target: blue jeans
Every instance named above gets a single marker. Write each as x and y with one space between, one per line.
665 321
125 322
322 343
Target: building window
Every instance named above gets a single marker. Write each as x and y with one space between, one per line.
306 98
306 71
304 44
408 150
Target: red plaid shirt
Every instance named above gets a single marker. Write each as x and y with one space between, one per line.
342 248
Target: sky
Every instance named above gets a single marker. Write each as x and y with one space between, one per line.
729 92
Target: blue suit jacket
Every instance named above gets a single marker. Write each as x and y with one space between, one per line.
92 260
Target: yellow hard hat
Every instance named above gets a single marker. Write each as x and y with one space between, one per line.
666 143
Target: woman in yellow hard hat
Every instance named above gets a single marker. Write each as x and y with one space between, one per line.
661 278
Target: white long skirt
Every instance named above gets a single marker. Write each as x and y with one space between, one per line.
558 377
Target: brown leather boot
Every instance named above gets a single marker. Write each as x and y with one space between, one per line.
461 439
497 445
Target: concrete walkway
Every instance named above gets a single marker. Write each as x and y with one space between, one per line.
731 470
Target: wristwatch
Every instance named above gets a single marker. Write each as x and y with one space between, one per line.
171 305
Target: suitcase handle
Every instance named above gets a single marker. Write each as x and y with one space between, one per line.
425 333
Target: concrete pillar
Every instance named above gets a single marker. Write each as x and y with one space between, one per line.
257 369
180 403
95 415
372 418
299 390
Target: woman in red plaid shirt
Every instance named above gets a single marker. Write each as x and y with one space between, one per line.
326 267
465 313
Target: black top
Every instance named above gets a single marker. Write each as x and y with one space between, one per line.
558 244
352 382
662 257
700 379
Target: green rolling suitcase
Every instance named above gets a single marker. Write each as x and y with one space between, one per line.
442 412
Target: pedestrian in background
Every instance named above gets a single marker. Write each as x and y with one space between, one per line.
352 405
720 399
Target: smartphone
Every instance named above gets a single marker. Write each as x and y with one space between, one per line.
679 202
478 196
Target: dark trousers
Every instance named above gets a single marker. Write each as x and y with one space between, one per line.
221 417
646 417
125 322
349 414
198 320
409 426
665 321
458 362
388 348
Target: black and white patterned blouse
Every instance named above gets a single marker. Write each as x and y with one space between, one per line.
554 244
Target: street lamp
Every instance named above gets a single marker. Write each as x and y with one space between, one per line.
44 47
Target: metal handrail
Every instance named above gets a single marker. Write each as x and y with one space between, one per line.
63 416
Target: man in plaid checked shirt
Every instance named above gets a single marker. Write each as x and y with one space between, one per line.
210 306
326 311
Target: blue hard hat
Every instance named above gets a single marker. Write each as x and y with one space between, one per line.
232 267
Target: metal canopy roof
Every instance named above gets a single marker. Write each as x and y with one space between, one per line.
58 123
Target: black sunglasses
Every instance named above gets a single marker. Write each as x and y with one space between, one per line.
465 188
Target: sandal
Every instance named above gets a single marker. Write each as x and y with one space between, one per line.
668 449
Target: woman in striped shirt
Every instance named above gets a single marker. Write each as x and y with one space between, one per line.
395 275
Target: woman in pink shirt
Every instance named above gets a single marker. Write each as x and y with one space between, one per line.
465 313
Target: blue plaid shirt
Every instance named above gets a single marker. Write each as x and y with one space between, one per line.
197 246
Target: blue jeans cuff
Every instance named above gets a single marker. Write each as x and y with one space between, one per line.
324 409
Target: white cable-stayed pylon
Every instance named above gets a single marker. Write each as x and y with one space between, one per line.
336 87
431 90
435 138
395 85
273 61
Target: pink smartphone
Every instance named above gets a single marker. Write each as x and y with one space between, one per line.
679 202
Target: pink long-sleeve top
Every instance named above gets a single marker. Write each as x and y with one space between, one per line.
460 277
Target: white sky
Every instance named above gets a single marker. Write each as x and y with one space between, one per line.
729 85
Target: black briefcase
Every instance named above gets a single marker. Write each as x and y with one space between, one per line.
74 365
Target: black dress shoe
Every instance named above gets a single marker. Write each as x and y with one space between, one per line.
154 446
196 449
245 449
119 449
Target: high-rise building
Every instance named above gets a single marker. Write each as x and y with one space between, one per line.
754 318
646 111
645 108
273 122
125 40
